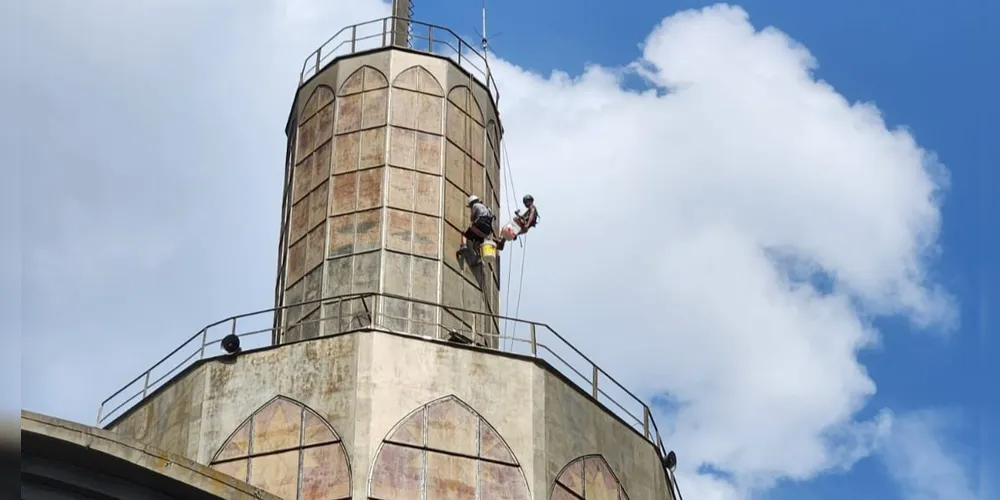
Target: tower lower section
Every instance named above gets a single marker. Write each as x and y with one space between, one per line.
372 414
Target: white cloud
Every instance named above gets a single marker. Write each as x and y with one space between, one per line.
921 461
706 202
697 207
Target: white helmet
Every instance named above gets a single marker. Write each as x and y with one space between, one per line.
473 199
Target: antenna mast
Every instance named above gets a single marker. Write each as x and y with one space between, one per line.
484 26
486 49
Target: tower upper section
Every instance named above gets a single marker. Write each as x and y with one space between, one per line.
393 126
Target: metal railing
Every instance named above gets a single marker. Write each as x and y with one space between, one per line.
400 315
423 37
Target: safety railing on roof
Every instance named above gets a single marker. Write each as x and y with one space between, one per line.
400 315
422 37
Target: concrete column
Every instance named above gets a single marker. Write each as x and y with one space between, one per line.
401 25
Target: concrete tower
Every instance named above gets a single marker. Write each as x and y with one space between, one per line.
363 391
384 149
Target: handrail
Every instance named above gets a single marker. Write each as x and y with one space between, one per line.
422 37
597 385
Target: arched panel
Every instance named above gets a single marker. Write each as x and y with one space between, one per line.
588 478
309 202
320 97
493 178
417 107
288 450
418 79
464 150
445 449
363 79
462 97
364 103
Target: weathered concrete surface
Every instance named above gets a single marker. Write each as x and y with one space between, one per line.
366 383
171 423
384 149
104 461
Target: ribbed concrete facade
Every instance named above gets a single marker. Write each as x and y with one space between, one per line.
384 149
394 417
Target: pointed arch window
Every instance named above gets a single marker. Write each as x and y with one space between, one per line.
445 449
588 478
288 450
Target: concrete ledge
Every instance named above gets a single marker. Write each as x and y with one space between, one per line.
103 453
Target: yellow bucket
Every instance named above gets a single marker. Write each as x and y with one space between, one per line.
488 249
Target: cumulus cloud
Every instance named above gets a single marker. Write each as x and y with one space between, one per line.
923 463
741 225
721 239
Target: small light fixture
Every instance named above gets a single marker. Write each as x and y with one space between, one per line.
231 343
670 461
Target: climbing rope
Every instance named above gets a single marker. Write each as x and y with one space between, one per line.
506 300
510 179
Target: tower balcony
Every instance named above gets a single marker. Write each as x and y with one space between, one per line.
401 33
553 406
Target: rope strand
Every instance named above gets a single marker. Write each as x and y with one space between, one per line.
506 304
520 280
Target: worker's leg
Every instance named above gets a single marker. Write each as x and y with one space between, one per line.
466 250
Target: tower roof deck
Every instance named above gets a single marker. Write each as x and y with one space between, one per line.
379 34
530 340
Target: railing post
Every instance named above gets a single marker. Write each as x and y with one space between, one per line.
204 340
354 37
475 321
145 384
385 29
430 39
232 329
340 315
316 64
594 388
100 413
533 342
645 421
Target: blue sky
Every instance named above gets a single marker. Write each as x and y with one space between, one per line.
156 171
926 65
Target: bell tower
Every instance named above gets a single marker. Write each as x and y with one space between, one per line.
387 372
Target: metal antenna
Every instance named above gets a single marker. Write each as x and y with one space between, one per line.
484 27
486 49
